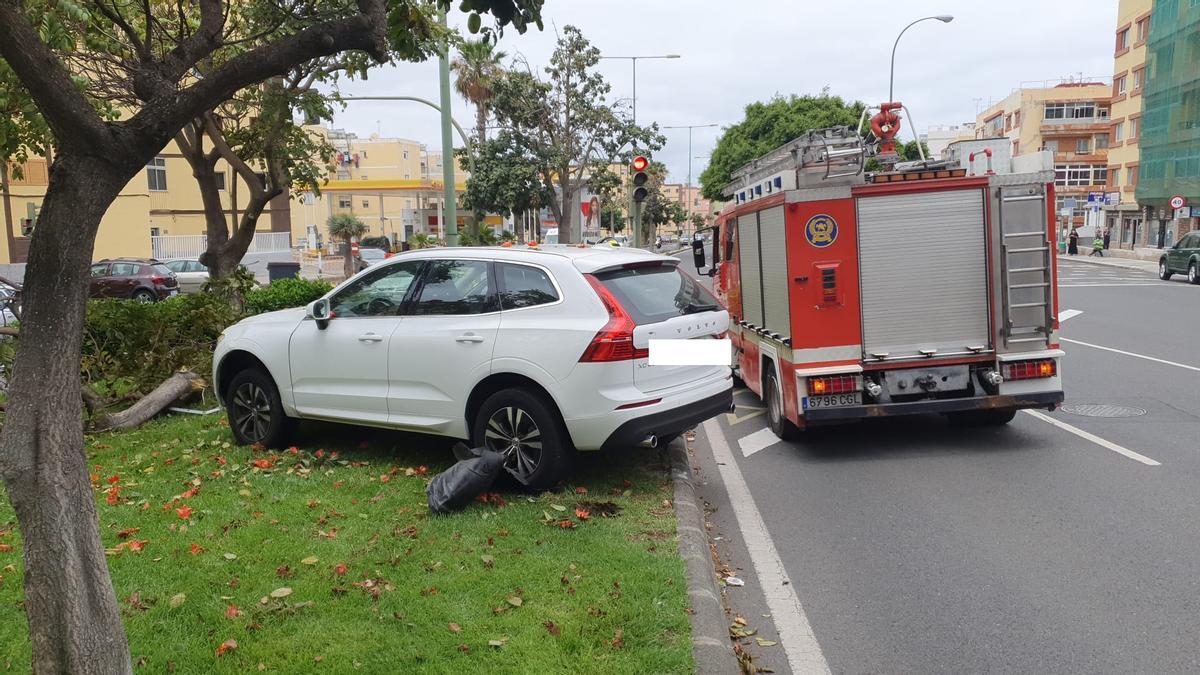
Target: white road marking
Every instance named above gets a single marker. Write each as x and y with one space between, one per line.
733 417
803 652
1068 314
1108 445
759 440
1139 283
1136 356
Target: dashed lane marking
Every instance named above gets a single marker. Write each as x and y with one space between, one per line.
759 440
1068 314
1134 355
803 652
1108 445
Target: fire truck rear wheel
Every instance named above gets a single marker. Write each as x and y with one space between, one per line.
777 420
982 418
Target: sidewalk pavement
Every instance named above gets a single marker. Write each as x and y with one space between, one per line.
1110 261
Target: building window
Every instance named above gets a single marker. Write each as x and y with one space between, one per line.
1016 118
1133 128
1122 83
156 174
344 203
364 176
1116 177
1137 79
1080 175
366 204
1016 148
1101 141
1119 132
1123 40
219 177
1073 111
405 154
1051 145
1082 146
1132 172
343 174
1143 27
995 126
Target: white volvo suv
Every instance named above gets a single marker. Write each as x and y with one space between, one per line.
532 352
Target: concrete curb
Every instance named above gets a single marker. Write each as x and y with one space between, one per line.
1086 261
710 635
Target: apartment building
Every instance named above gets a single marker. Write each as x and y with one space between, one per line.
693 203
1125 219
1170 135
158 213
1069 118
939 137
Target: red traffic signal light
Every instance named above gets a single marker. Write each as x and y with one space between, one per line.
640 163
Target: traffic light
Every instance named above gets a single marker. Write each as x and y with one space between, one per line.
640 178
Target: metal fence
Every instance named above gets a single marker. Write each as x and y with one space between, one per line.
192 245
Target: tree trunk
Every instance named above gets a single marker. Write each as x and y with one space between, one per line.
348 262
74 618
480 124
566 233
172 389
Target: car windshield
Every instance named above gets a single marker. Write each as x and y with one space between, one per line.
656 293
372 254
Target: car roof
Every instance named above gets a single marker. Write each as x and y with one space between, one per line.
585 258
142 261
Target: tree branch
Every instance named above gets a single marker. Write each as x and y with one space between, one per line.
114 15
75 124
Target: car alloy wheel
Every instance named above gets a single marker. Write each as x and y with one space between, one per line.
514 433
1192 274
250 411
143 296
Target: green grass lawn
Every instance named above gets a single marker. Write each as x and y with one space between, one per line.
325 558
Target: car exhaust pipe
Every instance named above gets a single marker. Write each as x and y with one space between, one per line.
650 441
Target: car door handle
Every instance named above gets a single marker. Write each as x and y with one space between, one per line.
370 337
469 338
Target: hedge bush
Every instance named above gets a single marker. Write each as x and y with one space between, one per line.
131 346
285 294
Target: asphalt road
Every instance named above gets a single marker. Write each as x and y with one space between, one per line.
914 547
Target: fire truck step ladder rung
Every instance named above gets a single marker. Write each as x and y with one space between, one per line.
1039 338
1022 305
1040 284
1017 270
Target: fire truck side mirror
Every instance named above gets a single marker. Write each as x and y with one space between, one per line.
698 254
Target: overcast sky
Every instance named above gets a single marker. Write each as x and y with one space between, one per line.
734 53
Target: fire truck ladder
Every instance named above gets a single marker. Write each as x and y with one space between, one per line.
819 155
1026 259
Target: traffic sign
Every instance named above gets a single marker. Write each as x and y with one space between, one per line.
1178 202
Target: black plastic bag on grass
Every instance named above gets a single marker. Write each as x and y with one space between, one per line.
456 487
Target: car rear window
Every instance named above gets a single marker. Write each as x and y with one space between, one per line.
657 292
161 269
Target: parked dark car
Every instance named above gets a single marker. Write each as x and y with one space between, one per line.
1182 258
134 278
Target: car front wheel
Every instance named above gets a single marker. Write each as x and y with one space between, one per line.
1164 272
525 428
255 411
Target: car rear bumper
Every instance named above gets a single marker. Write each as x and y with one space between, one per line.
669 422
1044 399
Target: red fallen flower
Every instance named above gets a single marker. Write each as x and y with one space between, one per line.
294 450
232 612
227 646
197 549
190 493
422 470
384 478
340 569
113 496
127 532
113 480
95 477
319 454
581 490
137 544
222 461
566 524
262 463
582 514
184 512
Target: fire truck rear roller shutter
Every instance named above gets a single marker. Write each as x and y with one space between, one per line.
751 270
924 272
776 308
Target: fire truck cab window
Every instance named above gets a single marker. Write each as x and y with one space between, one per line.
657 293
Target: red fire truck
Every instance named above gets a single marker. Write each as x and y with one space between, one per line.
929 287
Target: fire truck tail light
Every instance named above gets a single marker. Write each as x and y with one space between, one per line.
833 384
614 341
1030 370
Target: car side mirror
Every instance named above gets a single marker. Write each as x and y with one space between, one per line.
698 255
319 311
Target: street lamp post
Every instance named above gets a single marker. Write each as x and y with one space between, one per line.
637 221
944 18
688 203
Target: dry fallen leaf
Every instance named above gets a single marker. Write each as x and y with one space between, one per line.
227 646
488 560
177 599
515 600
281 592
455 628
311 560
552 628
231 556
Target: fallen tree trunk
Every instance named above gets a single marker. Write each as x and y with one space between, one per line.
171 390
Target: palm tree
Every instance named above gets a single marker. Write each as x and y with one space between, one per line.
476 69
345 227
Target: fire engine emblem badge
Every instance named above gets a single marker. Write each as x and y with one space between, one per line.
821 230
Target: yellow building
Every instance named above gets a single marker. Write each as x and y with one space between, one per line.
1129 78
1071 119
393 185
693 203
159 212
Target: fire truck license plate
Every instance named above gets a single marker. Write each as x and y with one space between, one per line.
834 400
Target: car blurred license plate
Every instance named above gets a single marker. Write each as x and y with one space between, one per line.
835 400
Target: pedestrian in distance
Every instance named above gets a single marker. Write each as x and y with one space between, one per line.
1073 242
1097 246
1107 237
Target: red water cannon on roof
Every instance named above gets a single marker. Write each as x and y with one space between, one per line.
885 124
